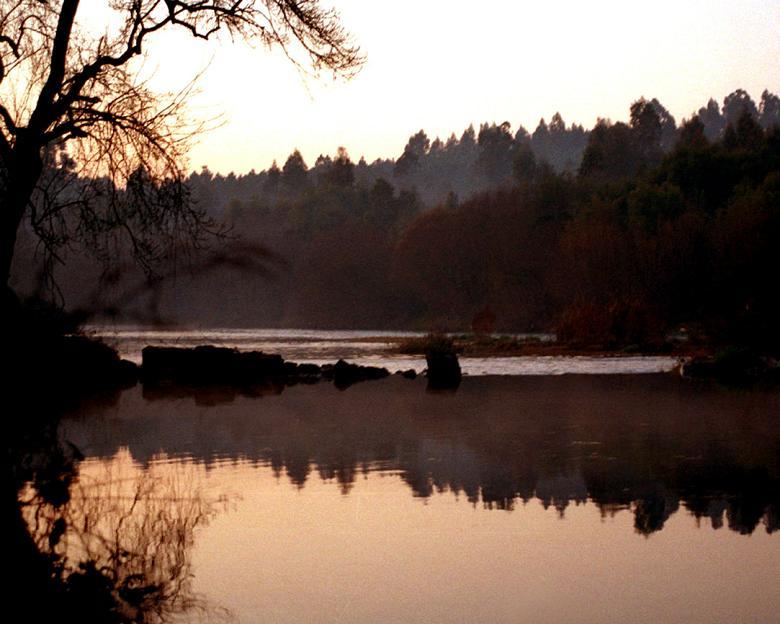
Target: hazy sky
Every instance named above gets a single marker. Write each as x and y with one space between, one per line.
440 65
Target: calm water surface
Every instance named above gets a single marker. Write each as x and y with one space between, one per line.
514 499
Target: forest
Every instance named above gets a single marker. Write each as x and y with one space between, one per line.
614 236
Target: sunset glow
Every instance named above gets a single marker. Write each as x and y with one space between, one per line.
444 65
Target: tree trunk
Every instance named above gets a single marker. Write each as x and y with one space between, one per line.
23 171
9 225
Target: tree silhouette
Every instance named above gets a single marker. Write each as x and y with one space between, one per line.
341 173
736 104
416 148
294 173
744 134
769 109
494 161
692 134
83 123
646 124
712 119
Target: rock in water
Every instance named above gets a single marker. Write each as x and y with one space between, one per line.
219 366
443 370
207 365
346 374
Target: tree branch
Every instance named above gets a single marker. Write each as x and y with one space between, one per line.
8 120
41 116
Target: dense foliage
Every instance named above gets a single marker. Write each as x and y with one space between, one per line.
615 236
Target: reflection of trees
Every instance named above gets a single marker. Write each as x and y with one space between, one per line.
641 444
119 546
653 508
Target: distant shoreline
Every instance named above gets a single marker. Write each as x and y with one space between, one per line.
498 344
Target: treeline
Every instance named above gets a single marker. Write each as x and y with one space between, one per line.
434 170
618 254
615 236
660 227
477 161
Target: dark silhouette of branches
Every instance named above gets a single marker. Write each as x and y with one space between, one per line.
81 134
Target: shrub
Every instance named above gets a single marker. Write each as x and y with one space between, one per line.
431 343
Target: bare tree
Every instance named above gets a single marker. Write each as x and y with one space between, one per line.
88 149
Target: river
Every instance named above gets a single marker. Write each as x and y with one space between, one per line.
562 498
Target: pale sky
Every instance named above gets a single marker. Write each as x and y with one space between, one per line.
441 65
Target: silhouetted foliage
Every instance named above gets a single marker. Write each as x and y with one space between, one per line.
654 227
494 161
769 110
736 105
293 176
89 153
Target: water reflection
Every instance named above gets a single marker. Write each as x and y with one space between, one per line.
128 532
650 445
98 541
